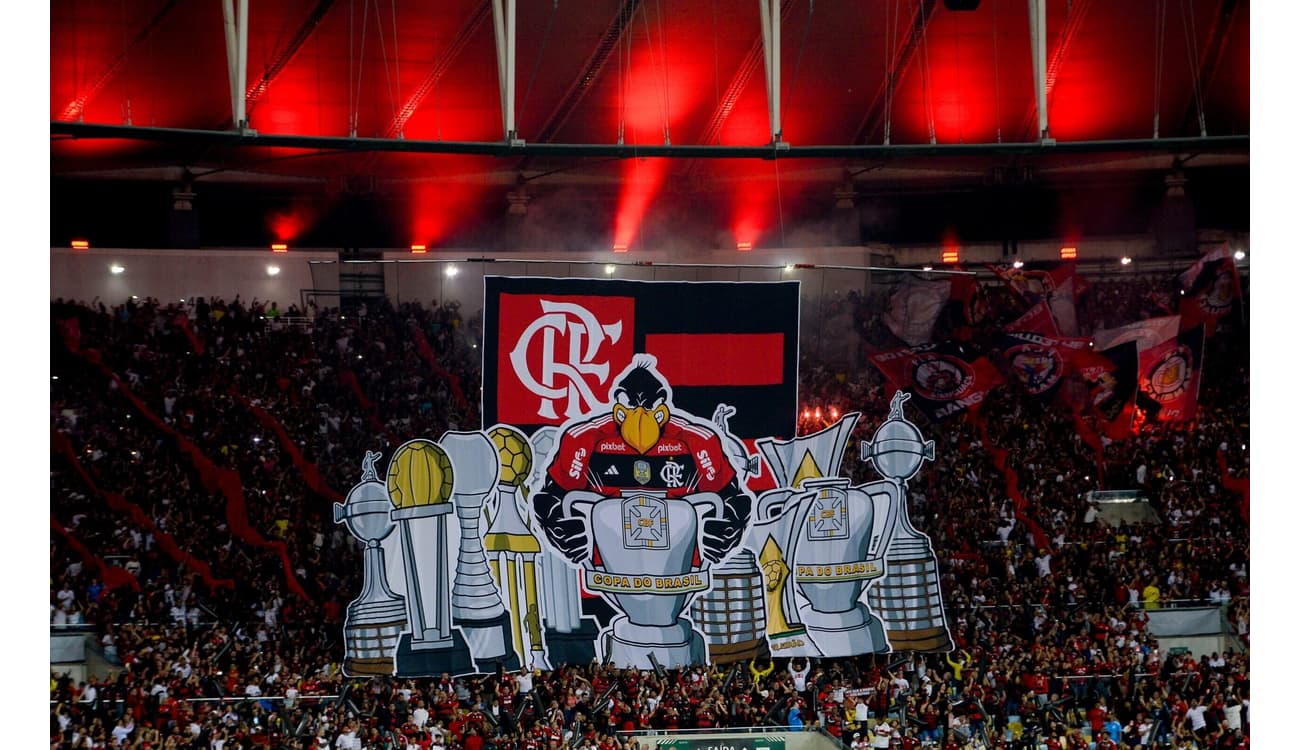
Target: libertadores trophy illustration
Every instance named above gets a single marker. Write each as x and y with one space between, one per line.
908 599
644 501
420 481
376 618
475 601
513 550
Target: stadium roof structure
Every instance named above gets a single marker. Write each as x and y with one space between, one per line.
427 121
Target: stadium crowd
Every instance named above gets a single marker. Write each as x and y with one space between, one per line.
198 446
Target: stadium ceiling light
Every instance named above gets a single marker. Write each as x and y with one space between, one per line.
1018 264
279 247
452 271
116 269
80 245
620 247
272 270
744 246
1125 260
419 249
609 269
927 267
1239 255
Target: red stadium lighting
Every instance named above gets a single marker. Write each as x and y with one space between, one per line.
1069 253
835 413
620 247
80 245
279 247
744 247
419 249
952 255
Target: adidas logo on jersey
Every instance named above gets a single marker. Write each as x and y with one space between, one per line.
611 471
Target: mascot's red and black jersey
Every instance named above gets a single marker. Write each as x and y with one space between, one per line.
687 458
640 445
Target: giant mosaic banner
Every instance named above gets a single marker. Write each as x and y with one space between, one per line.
638 498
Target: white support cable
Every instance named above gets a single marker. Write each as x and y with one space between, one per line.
228 14
241 68
503 27
769 14
1038 51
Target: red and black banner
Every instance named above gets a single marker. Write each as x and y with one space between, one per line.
1211 288
552 347
944 379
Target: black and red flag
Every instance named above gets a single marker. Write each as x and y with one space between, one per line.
552 347
944 378
1112 388
1169 364
1041 363
1053 283
1211 287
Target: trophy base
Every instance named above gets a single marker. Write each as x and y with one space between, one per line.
577 648
856 631
728 653
631 646
433 662
488 641
793 643
381 667
929 639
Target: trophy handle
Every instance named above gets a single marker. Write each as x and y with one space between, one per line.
579 503
710 503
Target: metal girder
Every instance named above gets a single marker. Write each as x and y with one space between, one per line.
237 139
578 89
482 11
903 59
1074 18
287 54
77 106
1210 59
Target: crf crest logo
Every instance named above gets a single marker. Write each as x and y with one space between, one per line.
940 378
573 345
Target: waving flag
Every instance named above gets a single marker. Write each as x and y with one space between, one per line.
944 378
1169 364
915 307
1211 286
1053 283
1040 363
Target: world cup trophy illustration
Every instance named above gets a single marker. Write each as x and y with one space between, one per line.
513 550
644 501
420 480
376 618
908 598
475 601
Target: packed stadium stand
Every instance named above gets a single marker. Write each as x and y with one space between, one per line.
909 339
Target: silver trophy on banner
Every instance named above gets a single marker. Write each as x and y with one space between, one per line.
646 544
377 617
475 600
822 542
908 598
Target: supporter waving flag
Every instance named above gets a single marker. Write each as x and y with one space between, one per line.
1041 363
944 379
1211 286
1169 364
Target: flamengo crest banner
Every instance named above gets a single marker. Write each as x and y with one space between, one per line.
608 514
552 346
